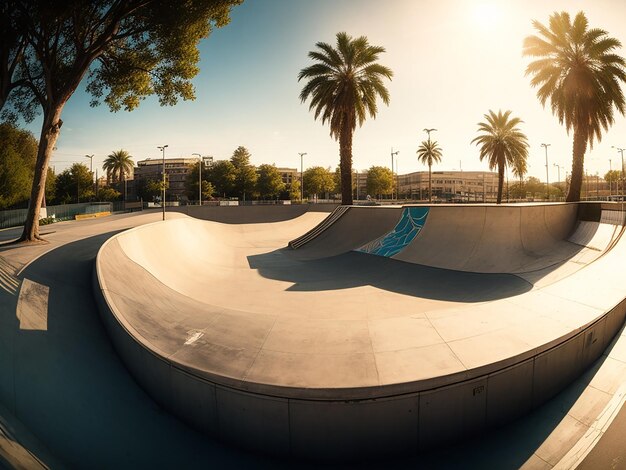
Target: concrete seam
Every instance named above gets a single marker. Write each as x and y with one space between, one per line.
247 372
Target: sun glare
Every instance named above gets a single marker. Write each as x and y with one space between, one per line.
486 15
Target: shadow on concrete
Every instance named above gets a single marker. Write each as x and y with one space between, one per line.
66 384
355 269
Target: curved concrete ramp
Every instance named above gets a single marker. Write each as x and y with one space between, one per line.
345 354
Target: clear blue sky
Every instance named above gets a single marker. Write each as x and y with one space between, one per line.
453 60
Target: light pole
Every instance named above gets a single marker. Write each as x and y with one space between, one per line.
199 178
90 157
162 149
392 154
610 179
547 177
558 169
621 151
302 154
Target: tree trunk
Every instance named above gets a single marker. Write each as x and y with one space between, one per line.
578 160
430 182
345 165
500 183
50 129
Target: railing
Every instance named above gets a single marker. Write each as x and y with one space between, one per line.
14 218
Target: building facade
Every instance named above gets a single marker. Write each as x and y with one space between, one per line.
176 171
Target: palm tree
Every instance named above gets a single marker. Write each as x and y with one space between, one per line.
578 71
118 163
343 85
502 143
428 153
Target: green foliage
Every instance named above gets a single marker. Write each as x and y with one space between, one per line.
51 184
118 165
270 183
18 152
344 84
577 71
613 176
221 174
318 180
108 194
245 174
150 190
191 184
294 191
74 184
502 144
128 49
379 181
208 190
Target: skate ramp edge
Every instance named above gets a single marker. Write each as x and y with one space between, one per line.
191 356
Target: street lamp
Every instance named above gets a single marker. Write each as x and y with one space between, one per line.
90 157
392 154
302 154
610 179
199 178
162 149
547 177
621 151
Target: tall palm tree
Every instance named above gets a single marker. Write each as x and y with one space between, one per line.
118 163
343 84
428 153
502 143
578 71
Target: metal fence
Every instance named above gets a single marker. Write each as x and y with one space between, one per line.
14 218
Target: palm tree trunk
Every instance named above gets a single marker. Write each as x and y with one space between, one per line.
500 183
430 182
578 160
50 129
345 164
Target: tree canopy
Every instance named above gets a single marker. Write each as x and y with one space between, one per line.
344 84
18 153
127 50
318 180
74 184
380 181
245 174
270 182
576 69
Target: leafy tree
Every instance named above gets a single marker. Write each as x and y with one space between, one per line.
149 189
613 178
343 84
578 71
428 153
245 174
501 143
74 184
13 42
108 194
118 165
191 184
270 182
295 191
128 49
18 153
379 181
222 175
317 180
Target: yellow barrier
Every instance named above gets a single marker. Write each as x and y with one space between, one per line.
95 215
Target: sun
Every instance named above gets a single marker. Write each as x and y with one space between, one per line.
486 15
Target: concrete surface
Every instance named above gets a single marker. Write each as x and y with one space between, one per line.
397 340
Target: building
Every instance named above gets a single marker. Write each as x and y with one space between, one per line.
289 175
176 171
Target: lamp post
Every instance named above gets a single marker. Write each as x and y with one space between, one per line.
610 179
162 149
90 157
392 154
547 177
302 154
199 178
621 151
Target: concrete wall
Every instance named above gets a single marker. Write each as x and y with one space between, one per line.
252 214
344 428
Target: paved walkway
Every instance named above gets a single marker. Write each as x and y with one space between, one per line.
66 397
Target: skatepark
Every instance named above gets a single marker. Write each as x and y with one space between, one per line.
375 331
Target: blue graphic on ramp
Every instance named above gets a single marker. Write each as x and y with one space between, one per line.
410 224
